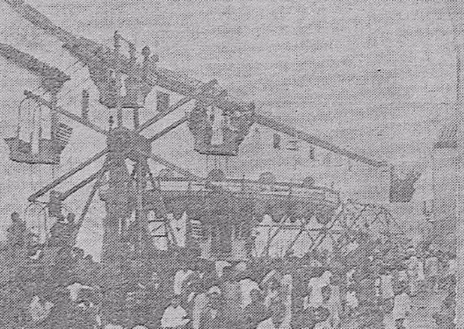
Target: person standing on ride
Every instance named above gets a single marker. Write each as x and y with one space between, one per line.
16 232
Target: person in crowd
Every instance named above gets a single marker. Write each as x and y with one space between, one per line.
212 316
271 288
277 315
175 315
402 307
315 285
181 276
412 271
351 301
335 302
256 310
431 268
199 301
83 316
60 315
326 323
62 231
231 292
39 310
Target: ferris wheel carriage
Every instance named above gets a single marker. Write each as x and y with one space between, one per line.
37 149
233 128
49 151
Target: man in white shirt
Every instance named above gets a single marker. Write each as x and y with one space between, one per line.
179 279
402 308
315 287
174 315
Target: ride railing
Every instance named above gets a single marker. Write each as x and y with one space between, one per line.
250 187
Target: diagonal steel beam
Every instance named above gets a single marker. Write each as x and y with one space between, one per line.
314 140
68 114
172 126
65 176
95 187
207 86
161 115
80 185
271 238
172 166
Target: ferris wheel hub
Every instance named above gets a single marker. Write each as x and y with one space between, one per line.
123 140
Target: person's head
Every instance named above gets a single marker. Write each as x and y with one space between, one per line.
175 301
227 273
15 217
399 323
78 252
70 218
274 284
214 295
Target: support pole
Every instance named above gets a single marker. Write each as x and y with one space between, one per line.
62 178
117 47
88 202
456 13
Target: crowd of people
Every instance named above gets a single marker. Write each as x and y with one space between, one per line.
56 286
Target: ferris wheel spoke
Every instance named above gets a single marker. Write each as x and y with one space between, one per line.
68 114
172 126
172 166
95 187
203 89
161 115
65 176
80 185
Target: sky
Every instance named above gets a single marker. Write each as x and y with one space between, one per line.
377 77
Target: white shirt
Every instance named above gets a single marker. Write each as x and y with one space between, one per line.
316 284
401 306
38 311
246 286
326 277
179 279
174 317
387 286
351 299
452 266
75 288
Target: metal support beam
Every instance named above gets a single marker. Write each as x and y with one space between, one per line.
80 185
62 111
172 126
172 166
271 238
172 108
95 187
65 176
311 139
